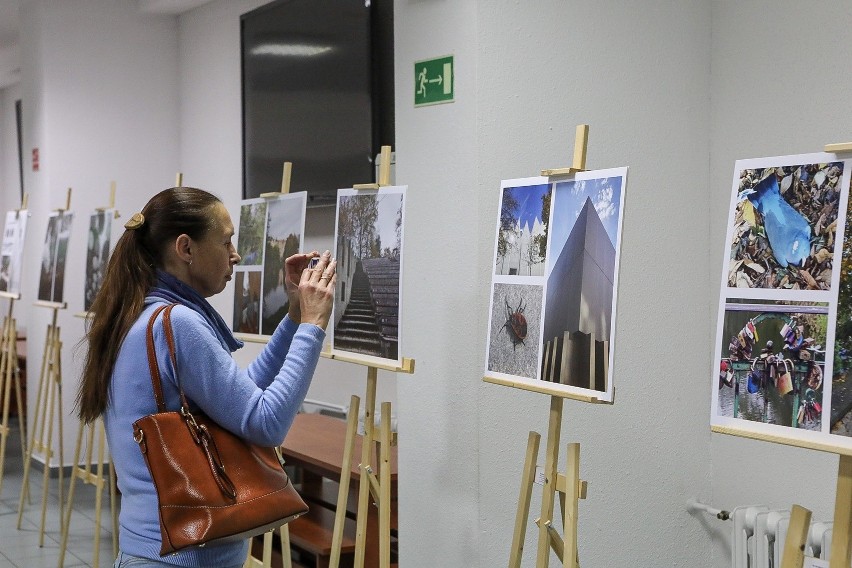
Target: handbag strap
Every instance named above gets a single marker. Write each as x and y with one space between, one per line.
154 367
199 432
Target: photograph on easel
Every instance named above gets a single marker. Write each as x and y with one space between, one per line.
97 254
559 243
270 230
52 277
773 363
12 250
785 307
285 235
582 279
369 250
785 224
522 234
514 332
841 391
247 301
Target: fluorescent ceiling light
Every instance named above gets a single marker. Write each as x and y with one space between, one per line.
290 49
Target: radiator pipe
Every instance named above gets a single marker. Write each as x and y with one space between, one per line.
693 505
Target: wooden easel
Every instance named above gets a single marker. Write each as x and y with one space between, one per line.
581 144
48 403
98 480
375 480
371 485
841 541
10 373
797 538
286 176
569 486
84 473
283 530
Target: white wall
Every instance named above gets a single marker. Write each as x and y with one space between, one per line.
443 293
779 87
100 97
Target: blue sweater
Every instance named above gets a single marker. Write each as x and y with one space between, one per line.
258 403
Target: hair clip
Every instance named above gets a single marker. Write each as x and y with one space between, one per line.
136 221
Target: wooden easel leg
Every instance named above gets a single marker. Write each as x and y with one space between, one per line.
267 550
284 535
549 490
570 505
365 467
53 394
385 487
797 538
113 507
66 520
523 511
98 481
19 398
60 413
345 475
37 433
841 541
6 393
99 487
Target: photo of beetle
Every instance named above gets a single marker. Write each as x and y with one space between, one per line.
514 340
516 323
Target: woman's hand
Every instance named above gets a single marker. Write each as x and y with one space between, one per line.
293 268
316 291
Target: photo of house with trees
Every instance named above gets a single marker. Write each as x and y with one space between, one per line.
522 235
369 236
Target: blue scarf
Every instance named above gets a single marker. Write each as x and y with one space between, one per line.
171 289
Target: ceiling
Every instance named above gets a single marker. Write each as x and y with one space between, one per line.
10 71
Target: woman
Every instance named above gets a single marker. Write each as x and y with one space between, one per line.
179 250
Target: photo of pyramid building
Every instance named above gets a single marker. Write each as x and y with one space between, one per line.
581 279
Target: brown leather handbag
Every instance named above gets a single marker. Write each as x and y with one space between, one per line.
212 486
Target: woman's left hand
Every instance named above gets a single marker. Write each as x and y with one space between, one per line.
293 268
316 291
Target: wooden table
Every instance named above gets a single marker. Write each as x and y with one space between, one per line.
315 443
315 446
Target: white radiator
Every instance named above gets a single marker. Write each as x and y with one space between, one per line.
759 535
743 535
819 539
766 545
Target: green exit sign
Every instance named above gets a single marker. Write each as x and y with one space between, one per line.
433 81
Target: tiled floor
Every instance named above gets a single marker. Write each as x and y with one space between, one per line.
20 548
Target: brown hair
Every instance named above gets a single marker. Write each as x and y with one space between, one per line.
130 274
